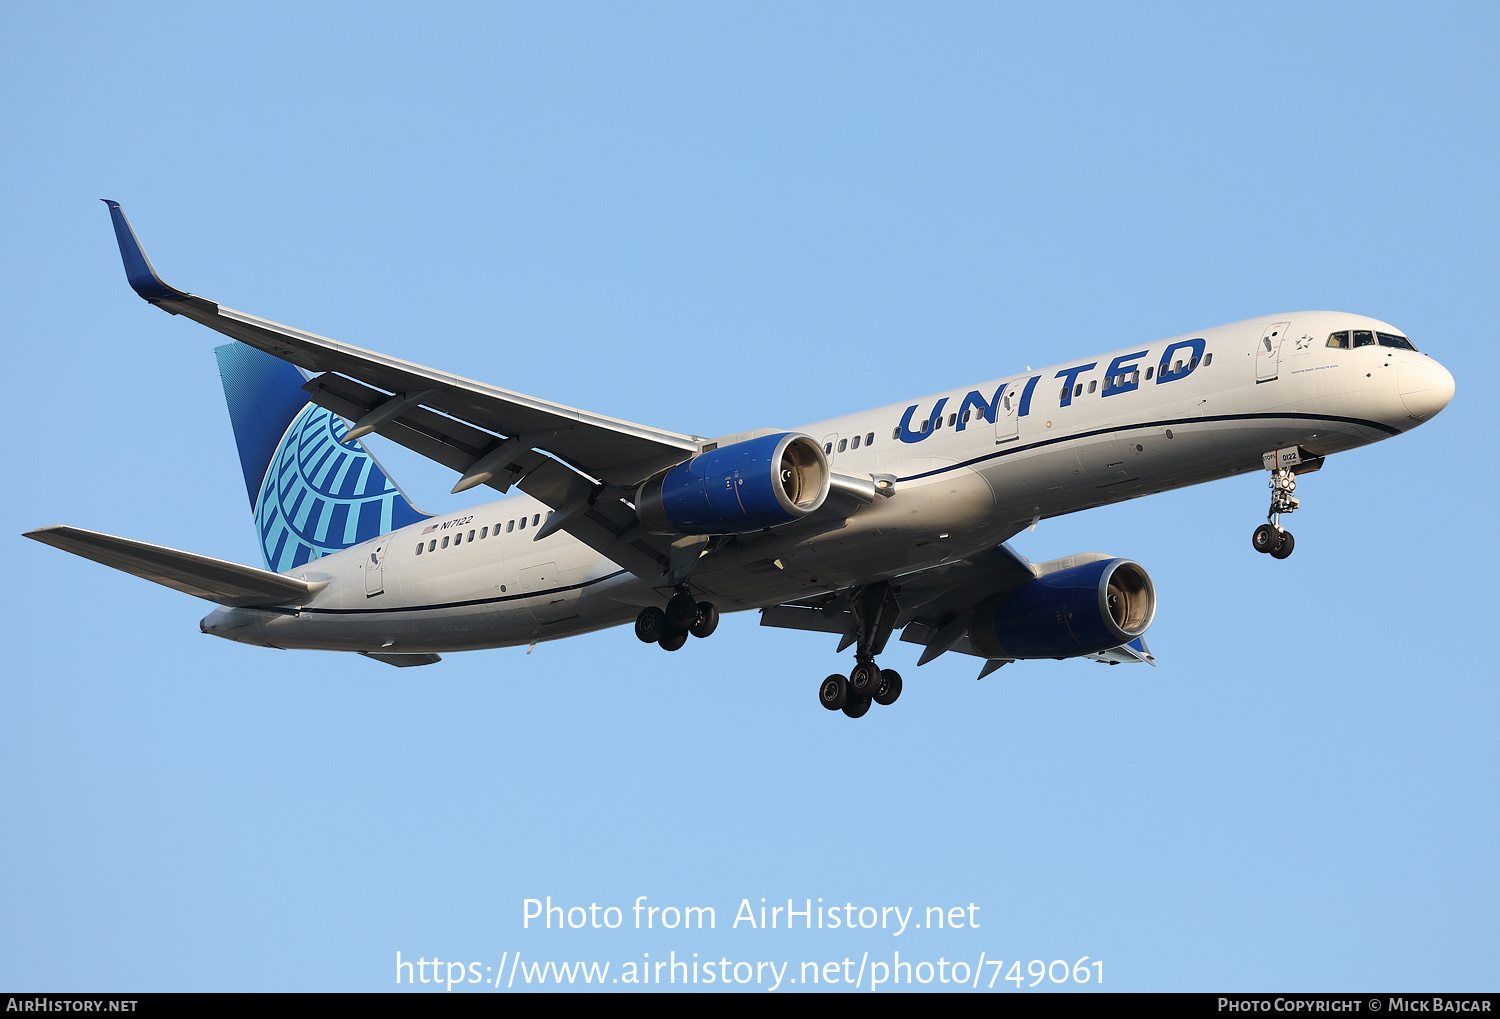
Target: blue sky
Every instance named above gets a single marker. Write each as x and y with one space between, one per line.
713 219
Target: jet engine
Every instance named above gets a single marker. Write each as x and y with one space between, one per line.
1078 611
738 488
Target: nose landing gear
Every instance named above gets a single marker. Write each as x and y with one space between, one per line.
670 627
1270 536
1284 465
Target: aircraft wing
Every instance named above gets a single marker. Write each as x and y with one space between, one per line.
585 466
935 606
930 598
216 580
458 422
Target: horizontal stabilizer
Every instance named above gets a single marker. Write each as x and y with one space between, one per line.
217 580
404 661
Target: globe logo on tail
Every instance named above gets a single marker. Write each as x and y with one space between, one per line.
322 494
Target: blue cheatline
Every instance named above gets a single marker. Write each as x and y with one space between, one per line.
312 492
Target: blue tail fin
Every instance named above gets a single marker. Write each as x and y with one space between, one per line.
312 493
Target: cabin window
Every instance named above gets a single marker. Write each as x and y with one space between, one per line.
536 519
856 442
843 445
458 539
1093 384
445 541
938 423
926 427
471 535
1078 389
432 545
1392 340
523 523
1364 338
828 448
1062 394
870 439
952 420
1208 359
896 432
1148 373
1193 363
1340 340
420 546
511 526
484 532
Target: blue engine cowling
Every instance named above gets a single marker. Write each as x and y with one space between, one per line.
738 488
1078 611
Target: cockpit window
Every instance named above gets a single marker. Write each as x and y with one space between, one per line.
1392 340
1340 340
1364 338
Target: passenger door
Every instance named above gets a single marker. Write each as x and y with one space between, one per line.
1268 351
375 571
1007 415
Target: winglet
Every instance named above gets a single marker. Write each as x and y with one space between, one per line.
1138 648
138 268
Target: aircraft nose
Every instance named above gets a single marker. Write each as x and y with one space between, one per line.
1425 386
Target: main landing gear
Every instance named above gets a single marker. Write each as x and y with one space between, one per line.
670 627
873 611
866 684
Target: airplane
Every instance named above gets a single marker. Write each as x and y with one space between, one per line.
883 520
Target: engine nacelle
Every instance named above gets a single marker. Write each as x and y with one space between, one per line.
738 488
1077 611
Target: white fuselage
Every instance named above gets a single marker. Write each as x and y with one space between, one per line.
962 486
